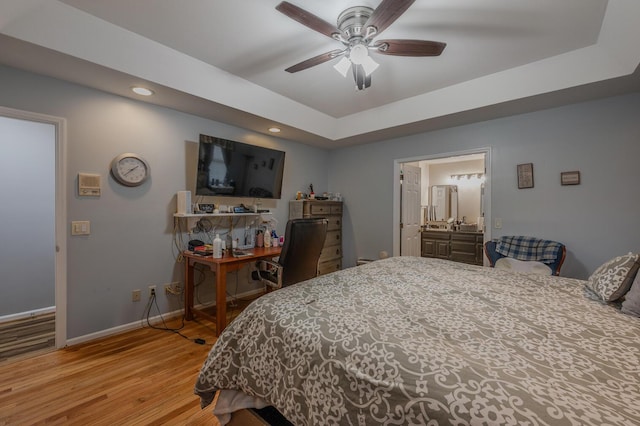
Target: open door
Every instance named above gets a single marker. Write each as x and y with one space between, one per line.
410 211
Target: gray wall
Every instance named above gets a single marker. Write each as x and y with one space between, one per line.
131 244
597 219
27 212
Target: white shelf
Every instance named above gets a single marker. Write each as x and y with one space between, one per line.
200 215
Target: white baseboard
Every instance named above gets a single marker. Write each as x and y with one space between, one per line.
28 314
143 322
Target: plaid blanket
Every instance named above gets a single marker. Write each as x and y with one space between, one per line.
529 248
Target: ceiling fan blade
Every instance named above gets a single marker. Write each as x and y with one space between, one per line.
386 13
316 60
409 47
307 19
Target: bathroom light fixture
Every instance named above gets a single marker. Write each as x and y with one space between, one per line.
274 129
143 91
468 176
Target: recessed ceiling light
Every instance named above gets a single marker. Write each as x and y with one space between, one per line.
274 129
142 91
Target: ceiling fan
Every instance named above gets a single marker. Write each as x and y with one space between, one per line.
356 29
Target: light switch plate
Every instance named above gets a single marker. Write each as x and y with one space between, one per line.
80 227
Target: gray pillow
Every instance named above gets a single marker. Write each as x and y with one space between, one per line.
614 278
631 303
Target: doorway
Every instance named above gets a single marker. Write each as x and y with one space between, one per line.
33 184
471 164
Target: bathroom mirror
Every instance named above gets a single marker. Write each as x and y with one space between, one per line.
443 202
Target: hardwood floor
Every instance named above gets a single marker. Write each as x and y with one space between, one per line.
142 377
27 335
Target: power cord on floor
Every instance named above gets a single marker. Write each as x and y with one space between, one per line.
154 302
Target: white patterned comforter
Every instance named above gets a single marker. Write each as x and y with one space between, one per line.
424 341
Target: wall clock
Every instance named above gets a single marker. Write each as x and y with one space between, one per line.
130 169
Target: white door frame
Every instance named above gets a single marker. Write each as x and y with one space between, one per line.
60 211
396 189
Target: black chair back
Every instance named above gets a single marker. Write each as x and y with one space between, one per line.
303 242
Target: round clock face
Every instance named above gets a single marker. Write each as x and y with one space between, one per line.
130 169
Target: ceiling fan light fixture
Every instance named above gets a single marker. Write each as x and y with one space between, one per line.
358 53
369 65
356 28
343 66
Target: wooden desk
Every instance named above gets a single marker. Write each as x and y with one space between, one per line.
220 267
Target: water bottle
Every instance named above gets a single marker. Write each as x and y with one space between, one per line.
217 247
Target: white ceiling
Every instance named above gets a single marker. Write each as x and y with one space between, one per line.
225 60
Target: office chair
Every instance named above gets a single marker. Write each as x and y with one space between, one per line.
551 253
298 261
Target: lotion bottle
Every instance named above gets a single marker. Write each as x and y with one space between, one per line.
267 238
217 247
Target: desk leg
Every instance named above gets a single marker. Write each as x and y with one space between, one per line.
188 290
221 298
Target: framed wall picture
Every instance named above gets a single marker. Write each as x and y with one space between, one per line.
570 178
525 175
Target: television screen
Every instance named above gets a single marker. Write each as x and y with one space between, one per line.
234 169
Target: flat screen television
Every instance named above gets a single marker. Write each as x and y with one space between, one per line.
234 169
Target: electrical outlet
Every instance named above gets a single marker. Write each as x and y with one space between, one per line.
135 296
172 288
152 290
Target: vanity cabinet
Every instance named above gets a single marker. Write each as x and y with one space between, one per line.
459 246
435 244
331 255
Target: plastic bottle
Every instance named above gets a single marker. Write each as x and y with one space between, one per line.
217 247
267 238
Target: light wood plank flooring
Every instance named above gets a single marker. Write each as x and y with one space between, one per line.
27 335
142 377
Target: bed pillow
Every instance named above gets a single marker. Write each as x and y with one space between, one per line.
522 266
614 278
631 303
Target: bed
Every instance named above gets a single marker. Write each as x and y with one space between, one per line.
418 341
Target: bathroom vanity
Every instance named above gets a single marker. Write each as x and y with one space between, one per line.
459 246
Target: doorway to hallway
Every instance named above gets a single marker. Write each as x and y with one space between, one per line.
33 306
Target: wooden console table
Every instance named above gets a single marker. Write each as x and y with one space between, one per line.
220 267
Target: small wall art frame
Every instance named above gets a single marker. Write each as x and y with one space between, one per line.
570 178
525 175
